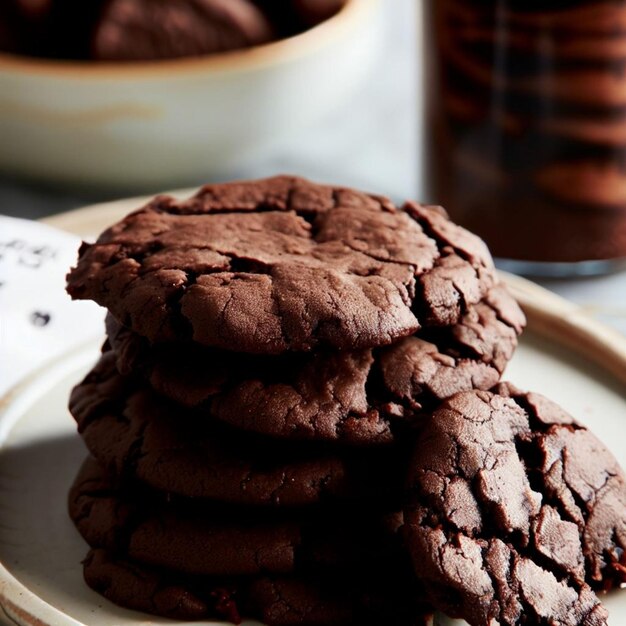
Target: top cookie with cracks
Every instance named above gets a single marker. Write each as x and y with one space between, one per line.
281 265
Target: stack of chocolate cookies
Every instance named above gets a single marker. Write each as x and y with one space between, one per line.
274 350
531 133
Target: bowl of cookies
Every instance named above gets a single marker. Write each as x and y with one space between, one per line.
140 93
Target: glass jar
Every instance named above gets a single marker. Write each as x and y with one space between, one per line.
527 128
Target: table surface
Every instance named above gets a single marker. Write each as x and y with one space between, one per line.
383 160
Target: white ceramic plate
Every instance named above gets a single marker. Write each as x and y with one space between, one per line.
564 354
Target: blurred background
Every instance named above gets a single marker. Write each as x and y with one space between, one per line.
368 139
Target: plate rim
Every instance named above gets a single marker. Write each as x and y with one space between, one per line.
18 603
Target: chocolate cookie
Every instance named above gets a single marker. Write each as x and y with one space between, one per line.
331 396
207 539
276 601
527 52
137 30
282 264
137 434
531 59
515 512
334 396
596 132
469 354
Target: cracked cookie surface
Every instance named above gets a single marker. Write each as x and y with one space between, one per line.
282 265
348 396
515 510
139 435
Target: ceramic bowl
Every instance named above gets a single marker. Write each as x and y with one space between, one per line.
160 123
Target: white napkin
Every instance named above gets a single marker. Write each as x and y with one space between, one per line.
38 320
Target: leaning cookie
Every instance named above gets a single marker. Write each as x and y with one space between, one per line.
276 601
196 538
515 510
281 265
